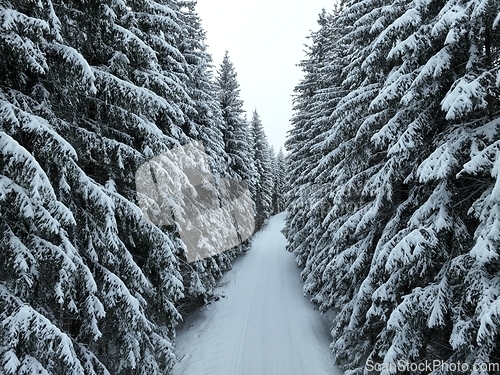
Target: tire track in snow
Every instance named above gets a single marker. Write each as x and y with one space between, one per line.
248 310
292 332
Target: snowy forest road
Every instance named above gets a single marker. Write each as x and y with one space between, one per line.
263 325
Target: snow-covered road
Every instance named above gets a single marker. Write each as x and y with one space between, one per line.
263 325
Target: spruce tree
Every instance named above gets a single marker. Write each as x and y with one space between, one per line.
308 122
279 182
235 129
136 113
206 117
237 140
262 156
206 124
49 298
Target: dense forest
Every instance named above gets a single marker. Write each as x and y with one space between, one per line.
394 201
91 282
117 133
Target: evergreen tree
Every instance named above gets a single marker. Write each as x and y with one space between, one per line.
262 156
206 117
206 124
235 130
105 295
279 178
237 140
309 121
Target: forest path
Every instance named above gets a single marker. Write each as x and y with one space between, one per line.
263 325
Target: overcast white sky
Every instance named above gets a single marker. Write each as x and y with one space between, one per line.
265 40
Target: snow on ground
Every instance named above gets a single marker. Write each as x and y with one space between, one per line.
263 325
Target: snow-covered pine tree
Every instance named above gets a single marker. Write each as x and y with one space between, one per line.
58 290
471 107
137 112
334 255
279 182
308 122
316 188
414 277
48 295
236 128
207 115
370 179
262 157
237 137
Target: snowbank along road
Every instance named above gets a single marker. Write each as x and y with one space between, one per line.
263 325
